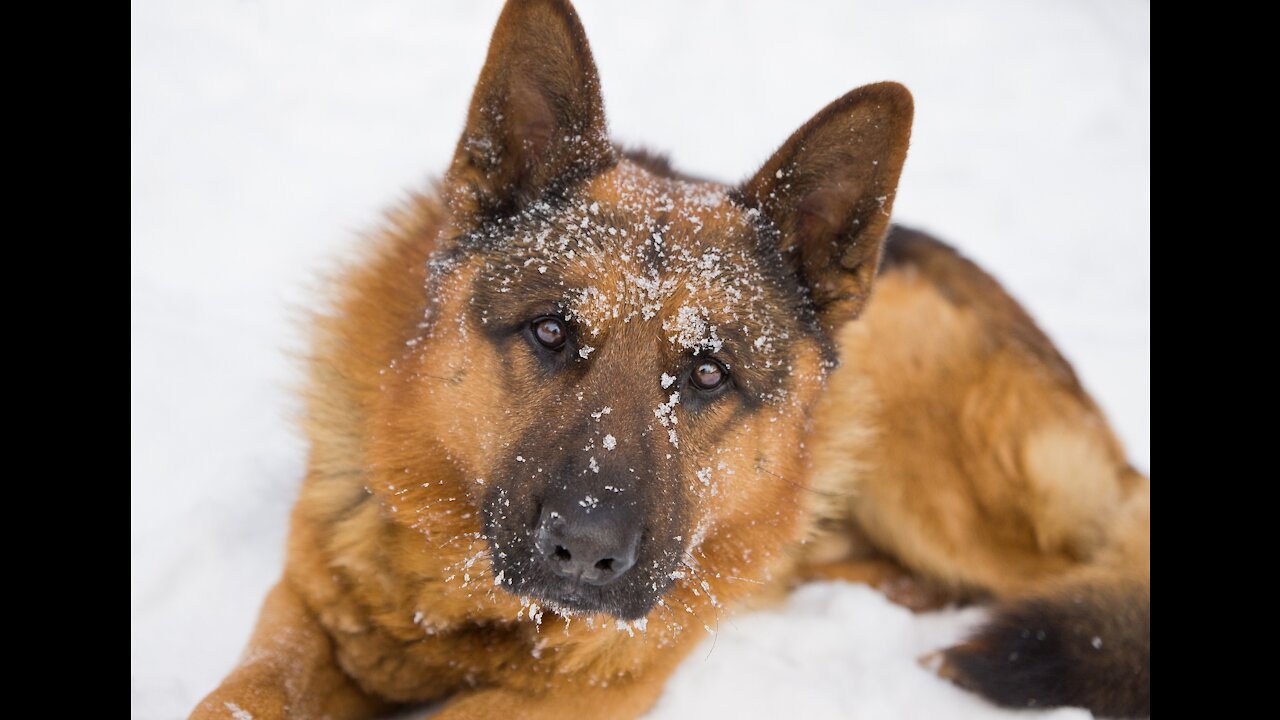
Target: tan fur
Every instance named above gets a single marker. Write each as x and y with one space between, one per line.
974 461
953 440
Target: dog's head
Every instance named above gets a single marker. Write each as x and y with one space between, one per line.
619 362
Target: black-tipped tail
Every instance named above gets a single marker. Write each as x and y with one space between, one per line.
1085 647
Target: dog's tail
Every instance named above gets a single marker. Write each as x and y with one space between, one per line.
1084 642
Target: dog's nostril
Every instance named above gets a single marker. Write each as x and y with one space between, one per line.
586 549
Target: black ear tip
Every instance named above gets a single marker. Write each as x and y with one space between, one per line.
562 8
541 20
893 94
897 92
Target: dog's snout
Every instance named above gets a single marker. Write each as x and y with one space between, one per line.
595 548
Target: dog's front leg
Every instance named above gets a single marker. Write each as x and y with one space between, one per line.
898 584
288 671
577 693
620 701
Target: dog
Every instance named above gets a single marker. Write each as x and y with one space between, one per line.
573 402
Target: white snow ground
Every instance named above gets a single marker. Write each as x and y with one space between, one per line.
264 135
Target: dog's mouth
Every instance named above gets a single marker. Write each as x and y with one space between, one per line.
628 599
520 571
573 599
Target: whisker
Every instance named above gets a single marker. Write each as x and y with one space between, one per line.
776 476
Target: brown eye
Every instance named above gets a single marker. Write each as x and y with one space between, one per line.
709 374
550 332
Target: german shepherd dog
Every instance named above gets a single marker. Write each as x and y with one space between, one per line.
575 403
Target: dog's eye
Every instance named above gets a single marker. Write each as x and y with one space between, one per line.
550 332
709 374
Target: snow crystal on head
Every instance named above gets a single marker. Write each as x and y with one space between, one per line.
690 330
644 255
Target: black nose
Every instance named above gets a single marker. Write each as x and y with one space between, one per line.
594 547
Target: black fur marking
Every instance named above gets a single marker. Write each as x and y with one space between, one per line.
1087 648
966 285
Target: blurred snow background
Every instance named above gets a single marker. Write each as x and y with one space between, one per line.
264 135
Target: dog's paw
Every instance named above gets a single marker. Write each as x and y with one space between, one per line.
238 701
912 593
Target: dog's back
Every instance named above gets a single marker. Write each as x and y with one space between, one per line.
991 472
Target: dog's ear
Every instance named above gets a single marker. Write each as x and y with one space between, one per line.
829 191
537 119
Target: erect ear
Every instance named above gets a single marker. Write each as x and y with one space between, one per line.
829 191
537 120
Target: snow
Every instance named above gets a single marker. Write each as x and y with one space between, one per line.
790 662
265 136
